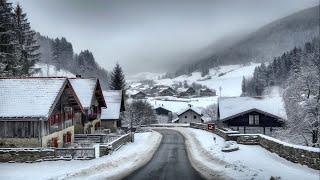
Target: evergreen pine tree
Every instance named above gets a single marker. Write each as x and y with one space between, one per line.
243 86
28 46
117 78
8 41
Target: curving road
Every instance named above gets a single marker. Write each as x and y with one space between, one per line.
170 161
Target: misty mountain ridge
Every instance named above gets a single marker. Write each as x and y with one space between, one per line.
263 45
58 54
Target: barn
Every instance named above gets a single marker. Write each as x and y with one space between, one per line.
38 112
251 114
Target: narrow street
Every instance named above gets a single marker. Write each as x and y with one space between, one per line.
169 162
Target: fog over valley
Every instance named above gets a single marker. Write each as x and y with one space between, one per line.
153 36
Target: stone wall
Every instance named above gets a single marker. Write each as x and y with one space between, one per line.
120 141
25 155
298 154
19 142
304 155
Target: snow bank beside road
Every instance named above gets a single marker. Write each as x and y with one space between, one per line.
249 162
115 166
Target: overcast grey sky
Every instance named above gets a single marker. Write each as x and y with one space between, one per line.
151 35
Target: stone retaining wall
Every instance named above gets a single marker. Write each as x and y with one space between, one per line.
25 155
304 155
19 142
297 154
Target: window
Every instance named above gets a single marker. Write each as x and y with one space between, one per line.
186 117
251 120
194 117
256 119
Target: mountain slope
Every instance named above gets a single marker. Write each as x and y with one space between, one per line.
264 44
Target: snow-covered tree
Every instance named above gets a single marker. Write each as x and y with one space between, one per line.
140 113
117 79
210 112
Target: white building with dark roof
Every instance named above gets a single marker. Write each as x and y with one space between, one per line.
189 115
37 112
111 115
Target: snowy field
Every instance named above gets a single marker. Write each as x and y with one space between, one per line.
250 162
115 166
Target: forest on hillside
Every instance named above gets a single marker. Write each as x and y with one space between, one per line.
59 52
21 48
260 46
298 73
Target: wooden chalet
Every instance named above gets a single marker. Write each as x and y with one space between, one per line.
163 115
207 92
167 92
91 98
38 112
251 114
139 95
111 115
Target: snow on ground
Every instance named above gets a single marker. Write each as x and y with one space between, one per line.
115 166
50 71
249 162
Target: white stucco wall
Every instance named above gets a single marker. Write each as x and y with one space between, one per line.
190 117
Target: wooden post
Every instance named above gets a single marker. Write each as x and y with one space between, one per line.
244 129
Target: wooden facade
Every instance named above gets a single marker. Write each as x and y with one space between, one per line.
55 129
252 118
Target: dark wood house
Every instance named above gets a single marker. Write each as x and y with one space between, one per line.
163 115
207 92
167 92
38 112
139 95
191 91
91 98
251 114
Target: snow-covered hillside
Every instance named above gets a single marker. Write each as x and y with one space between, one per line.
229 78
50 70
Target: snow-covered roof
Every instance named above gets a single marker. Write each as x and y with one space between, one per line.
29 97
113 100
84 88
231 106
194 109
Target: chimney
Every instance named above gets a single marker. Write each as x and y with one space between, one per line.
78 76
189 105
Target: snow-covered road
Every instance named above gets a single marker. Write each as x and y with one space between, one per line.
115 166
250 162
169 162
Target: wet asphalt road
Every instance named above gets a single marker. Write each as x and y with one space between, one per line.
170 161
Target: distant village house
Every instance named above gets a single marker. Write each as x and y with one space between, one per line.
189 115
